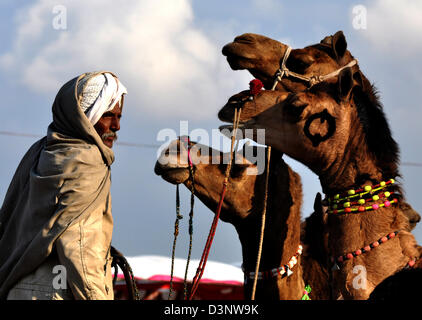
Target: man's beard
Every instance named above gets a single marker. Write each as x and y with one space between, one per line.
108 135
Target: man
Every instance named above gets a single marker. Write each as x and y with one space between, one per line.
55 222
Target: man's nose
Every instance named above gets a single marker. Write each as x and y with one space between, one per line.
115 124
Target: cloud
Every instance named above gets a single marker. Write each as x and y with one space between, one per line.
395 26
169 66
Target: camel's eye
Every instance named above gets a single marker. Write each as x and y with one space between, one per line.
298 64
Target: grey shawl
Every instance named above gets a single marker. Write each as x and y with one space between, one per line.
62 177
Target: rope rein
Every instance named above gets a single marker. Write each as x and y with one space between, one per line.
264 211
120 261
176 233
192 201
176 227
201 268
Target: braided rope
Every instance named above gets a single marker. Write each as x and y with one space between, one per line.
264 211
176 233
192 201
120 261
201 268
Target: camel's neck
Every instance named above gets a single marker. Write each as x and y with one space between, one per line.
281 237
350 232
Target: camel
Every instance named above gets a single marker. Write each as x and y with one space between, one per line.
261 56
338 129
242 207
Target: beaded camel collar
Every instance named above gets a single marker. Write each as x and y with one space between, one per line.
363 199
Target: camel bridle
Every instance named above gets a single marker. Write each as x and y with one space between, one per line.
283 71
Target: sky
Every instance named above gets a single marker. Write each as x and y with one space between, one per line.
168 55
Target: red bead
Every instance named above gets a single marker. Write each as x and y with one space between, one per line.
387 203
411 263
384 239
349 256
358 252
367 248
340 259
375 244
361 209
348 210
375 206
335 211
392 235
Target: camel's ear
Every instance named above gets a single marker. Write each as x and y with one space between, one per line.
328 40
318 204
345 83
358 79
339 44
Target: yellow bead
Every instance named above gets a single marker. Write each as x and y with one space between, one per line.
392 180
387 194
368 188
382 184
361 201
346 204
375 198
351 192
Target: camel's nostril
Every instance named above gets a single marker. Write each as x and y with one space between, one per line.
158 169
226 49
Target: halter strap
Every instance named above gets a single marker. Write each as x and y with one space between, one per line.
312 80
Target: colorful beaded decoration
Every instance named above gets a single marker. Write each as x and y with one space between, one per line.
361 200
351 255
283 271
306 292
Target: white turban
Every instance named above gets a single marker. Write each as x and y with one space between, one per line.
99 95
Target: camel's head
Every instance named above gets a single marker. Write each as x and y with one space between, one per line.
316 126
258 54
262 56
209 166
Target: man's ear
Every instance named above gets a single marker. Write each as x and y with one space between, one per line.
339 44
345 83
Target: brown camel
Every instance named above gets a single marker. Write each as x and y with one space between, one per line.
338 129
242 207
261 56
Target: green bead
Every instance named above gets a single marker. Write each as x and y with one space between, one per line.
346 204
351 192
368 188
337 196
382 184
361 201
335 206
375 198
387 194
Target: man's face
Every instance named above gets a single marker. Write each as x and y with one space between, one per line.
108 125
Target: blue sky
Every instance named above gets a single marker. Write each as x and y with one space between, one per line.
168 54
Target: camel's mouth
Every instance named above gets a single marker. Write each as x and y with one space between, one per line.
227 129
172 175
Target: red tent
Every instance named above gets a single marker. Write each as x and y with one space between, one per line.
152 273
